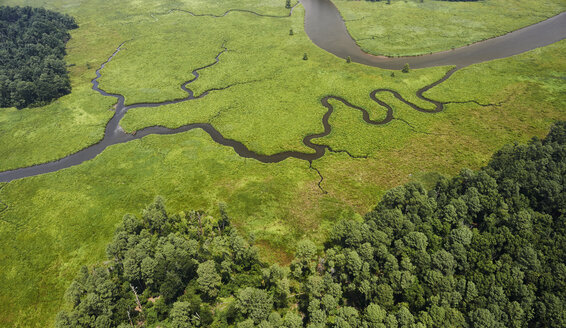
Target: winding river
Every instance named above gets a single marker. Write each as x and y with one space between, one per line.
325 27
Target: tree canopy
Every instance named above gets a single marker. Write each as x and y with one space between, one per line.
483 249
32 47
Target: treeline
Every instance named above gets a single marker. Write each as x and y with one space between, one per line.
32 47
182 270
483 249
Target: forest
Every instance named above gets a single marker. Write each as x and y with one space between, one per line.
32 47
481 249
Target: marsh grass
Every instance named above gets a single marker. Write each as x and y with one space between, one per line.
57 222
73 122
408 28
275 96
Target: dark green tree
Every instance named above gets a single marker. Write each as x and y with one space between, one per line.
208 279
32 50
254 304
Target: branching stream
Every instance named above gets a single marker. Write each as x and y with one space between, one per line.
114 134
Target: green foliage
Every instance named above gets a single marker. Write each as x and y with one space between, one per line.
95 297
305 257
475 249
305 56
32 47
181 316
158 263
254 304
479 250
275 279
208 279
292 320
406 68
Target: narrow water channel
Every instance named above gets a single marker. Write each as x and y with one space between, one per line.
325 27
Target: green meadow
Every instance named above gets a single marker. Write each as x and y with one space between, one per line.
51 225
416 27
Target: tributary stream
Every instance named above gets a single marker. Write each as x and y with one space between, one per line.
325 27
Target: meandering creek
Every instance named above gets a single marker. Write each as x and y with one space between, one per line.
325 27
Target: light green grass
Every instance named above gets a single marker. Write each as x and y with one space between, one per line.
37 135
531 94
527 92
73 122
57 222
412 27
276 99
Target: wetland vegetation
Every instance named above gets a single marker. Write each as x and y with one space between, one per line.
483 249
262 94
409 28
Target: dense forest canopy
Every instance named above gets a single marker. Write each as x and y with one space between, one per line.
483 249
32 47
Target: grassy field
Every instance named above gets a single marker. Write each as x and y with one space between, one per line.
285 90
414 27
529 93
77 120
50 225
57 222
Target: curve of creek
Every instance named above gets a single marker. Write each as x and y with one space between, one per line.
326 29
